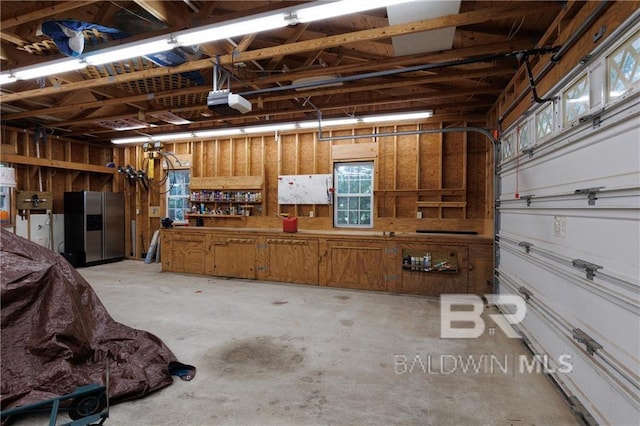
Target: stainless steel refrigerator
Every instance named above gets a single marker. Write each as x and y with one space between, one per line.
94 227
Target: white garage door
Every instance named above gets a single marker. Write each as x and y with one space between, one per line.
568 231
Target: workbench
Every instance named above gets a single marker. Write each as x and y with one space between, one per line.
364 260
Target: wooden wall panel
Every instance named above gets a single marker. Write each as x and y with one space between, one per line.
271 161
223 158
477 147
430 164
453 159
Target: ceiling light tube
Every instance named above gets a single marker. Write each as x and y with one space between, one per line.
397 117
172 136
53 67
133 139
7 78
327 10
266 128
269 128
231 29
219 132
122 53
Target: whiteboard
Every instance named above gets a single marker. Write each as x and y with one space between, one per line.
305 189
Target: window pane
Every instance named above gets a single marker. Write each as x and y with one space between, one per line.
178 194
576 101
524 136
365 186
355 191
365 203
623 68
342 203
544 122
507 147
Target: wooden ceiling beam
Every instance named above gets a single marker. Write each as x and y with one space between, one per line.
131 100
53 9
433 97
509 10
12 38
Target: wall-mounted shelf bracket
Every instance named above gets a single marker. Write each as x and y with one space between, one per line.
589 267
582 337
527 245
591 193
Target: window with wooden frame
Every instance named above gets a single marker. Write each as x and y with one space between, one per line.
353 206
178 192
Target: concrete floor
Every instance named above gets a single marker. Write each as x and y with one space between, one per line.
277 354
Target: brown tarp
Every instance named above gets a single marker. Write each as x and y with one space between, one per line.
57 335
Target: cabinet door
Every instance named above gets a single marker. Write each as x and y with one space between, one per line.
184 253
232 257
292 260
435 281
356 265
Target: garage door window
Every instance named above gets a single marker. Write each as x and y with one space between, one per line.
623 68
354 195
576 101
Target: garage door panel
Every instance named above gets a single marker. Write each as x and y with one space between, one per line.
576 234
583 162
582 303
569 243
599 388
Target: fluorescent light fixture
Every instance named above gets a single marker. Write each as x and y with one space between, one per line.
327 10
277 127
172 136
53 67
338 122
397 117
220 132
232 29
269 128
122 53
318 11
7 78
133 139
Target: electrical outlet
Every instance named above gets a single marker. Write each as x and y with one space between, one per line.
154 211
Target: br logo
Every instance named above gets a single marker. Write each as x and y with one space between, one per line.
465 310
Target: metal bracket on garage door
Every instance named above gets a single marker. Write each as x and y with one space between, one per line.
582 337
589 267
591 192
526 294
527 198
527 245
528 151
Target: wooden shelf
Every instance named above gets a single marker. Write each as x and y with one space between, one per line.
227 216
409 192
226 202
441 204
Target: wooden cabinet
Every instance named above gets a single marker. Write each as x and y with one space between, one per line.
292 260
357 260
228 197
183 252
356 264
231 256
